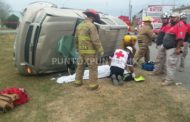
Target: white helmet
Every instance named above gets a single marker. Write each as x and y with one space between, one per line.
165 15
183 15
175 14
130 49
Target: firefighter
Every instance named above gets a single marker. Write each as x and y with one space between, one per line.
88 46
136 30
172 43
133 41
120 58
126 41
183 18
145 37
161 55
129 40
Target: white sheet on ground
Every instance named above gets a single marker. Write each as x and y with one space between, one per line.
103 71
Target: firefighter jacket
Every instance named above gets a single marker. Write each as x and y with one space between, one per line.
146 35
160 37
87 38
176 34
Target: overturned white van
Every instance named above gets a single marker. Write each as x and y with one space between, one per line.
45 30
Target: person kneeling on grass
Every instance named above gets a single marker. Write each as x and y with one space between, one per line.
121 59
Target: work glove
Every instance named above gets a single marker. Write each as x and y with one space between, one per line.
101 54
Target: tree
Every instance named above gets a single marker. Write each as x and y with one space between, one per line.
12 21
4 10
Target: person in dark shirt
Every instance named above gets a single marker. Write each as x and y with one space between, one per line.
161 55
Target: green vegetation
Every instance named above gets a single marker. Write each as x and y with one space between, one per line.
51 102
12 21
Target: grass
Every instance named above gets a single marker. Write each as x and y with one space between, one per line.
51 102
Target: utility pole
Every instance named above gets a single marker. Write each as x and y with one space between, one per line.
130 9
131 13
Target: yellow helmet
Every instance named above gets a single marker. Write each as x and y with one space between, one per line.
134 38
147 18
127 38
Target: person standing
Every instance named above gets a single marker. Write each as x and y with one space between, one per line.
161 55
172 43
183 18
88 46
145 37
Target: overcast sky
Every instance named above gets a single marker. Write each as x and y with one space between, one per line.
113 7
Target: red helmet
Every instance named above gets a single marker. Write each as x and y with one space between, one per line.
91 12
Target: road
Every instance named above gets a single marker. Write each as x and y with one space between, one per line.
183 77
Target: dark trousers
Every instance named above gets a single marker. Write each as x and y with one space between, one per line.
116 71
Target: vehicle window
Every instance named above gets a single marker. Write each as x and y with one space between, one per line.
108 21
154 14
118 21
156 26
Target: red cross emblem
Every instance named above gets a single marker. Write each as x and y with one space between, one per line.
119 54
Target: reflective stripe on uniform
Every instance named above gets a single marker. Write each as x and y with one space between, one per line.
100 50
87 51
84 38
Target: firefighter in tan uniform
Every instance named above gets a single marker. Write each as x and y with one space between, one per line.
145 38
129 40
88 46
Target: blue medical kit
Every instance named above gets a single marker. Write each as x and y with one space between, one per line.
148 66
